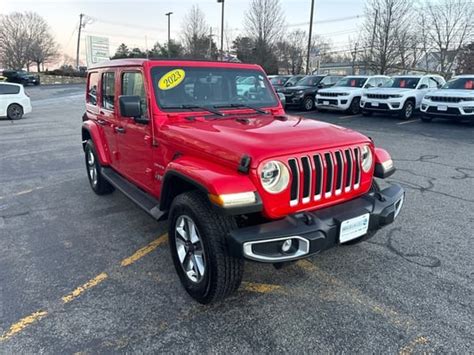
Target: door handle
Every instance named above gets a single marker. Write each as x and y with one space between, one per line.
102 122
119 129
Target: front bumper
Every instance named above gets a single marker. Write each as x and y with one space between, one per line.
448 110
381 105
314 232
333 103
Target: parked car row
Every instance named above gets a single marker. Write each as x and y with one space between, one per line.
403 95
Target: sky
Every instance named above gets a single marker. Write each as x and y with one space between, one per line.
141 23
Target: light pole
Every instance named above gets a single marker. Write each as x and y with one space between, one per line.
309 37
79 40
169 33
222 29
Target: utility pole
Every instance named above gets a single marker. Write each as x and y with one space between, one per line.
79 40
309 36
222 29
169 33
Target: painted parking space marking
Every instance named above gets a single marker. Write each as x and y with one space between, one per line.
81 289
140 253
38 315
22 324
261 288
406 122
350 116
410 347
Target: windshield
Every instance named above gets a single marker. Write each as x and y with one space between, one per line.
176 87
402 83
351 82
460 84
279 80
309 81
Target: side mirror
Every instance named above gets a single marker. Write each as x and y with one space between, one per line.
320 86
130 106
423 86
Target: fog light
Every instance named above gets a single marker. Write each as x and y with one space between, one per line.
286 246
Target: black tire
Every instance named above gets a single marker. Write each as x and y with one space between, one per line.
308 103
408 110
223 272
14 112
354 108
98 183
366 113
373 188
426 119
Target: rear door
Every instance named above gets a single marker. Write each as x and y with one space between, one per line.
135 140
107 114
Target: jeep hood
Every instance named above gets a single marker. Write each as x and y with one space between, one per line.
258 136
338 89
453 93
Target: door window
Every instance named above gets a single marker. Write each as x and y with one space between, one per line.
92 88
108 90
6 89
133 84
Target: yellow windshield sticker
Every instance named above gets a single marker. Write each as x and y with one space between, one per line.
171 79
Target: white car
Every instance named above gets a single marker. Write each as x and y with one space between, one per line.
345 95
14 103
455 100
401 95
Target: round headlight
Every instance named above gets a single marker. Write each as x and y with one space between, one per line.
366 158
274 176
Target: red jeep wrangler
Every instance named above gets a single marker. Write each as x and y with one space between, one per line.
236 176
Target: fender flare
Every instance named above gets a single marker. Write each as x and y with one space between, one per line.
90 130
384 166
186 173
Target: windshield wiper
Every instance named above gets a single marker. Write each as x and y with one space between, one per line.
191 107
256 109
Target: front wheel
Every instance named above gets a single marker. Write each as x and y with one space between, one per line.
407 111
308 103
198 243
354 109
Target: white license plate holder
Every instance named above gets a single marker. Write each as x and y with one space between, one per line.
326 103
443 108
375 104
354 228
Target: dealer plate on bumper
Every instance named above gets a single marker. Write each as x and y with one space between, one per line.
354 228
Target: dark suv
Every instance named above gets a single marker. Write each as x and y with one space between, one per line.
21 77
303 93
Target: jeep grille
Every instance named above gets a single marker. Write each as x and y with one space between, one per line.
446 99
378 96
325 174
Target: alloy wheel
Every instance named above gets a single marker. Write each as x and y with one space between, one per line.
190 248
91 167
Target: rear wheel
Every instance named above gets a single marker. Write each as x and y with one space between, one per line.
15 112
308 103
354 109
198 243
408 110
96 180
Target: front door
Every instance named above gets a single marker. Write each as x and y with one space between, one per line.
135 140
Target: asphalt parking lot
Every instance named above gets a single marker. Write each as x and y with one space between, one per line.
89 274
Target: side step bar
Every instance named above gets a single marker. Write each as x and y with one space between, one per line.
150 204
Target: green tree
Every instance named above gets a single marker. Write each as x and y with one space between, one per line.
121 52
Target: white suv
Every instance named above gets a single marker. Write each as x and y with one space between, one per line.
401 95
346 94
14 103
455 100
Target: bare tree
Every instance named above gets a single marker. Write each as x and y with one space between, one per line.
264 24
196 37
25 38
450 28
385 27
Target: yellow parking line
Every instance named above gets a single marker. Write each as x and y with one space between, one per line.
406 122
22 324
140 253
260 288
408 349
81 289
